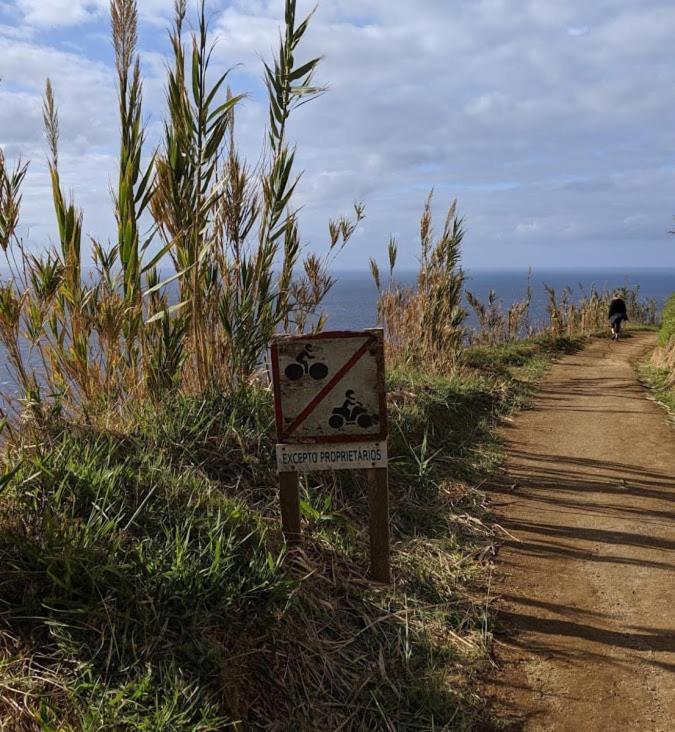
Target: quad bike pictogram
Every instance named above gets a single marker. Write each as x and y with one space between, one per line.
301 367
352 412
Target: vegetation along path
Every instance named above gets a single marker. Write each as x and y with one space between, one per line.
586 580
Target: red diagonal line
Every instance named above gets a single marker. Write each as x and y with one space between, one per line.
314 403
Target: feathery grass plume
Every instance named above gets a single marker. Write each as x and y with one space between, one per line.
392 250
309 289
519 324
69 351
68 217
255 301
258 300
427 322
135 191
185 196
517 320
239 205
375 273
71 327
10 199
491 319
442 280
555 312
134 185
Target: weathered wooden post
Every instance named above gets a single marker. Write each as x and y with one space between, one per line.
289 495
378 507
331 414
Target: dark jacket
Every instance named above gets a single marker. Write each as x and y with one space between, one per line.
618 307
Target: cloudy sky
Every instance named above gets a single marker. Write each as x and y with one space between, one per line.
552 121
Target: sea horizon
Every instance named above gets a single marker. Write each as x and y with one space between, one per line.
352 302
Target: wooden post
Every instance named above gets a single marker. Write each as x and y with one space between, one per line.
289 490
378 506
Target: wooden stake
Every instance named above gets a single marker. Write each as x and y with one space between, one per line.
378 506
289 490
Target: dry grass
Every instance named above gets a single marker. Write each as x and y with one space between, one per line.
299 641
589 314
425 324
496 326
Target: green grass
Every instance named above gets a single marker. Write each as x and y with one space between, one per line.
668 322
145 584
136 578
660 381
525 360
657 372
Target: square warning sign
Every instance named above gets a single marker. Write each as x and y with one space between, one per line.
329 387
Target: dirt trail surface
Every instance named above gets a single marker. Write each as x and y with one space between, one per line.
587 584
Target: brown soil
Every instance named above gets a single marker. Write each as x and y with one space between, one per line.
585 631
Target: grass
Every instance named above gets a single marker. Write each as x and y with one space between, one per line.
145 584
660 381
658 372
129 580
532 355
144 581
667 330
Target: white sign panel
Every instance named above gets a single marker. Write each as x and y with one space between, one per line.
334 456
329 387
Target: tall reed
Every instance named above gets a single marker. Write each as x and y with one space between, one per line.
588 314
228 231
425 324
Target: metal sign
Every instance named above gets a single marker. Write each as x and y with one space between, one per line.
329 387
331 413
347 456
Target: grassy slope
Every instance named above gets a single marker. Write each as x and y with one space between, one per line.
657 372
660 381
668 322
145 586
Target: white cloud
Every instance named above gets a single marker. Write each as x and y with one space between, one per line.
528 228
54 13
84 93
551 121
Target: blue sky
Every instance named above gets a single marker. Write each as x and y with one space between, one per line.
553 123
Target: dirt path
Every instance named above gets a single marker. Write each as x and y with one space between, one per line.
588 582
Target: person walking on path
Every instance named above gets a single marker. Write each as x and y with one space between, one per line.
617 314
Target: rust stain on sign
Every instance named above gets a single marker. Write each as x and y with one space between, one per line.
329 387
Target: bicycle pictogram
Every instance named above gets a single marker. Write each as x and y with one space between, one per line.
301 367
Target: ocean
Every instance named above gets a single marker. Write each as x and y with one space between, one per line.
352 303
